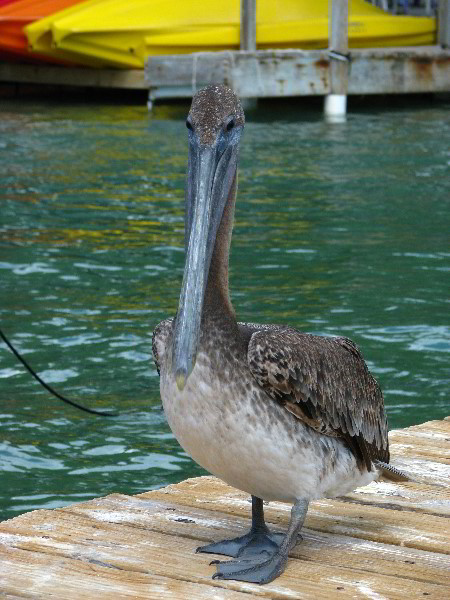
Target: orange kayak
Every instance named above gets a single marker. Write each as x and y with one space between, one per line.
15 15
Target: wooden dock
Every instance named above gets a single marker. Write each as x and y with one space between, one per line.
258 74
383 541
334 72
284 73
86 77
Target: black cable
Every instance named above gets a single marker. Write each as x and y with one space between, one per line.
49 388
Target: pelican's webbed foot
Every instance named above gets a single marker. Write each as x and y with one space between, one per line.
250 544
258 569
259 540
264 566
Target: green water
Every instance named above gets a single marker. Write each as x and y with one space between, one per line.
340 229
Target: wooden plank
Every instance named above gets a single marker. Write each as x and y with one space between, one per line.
277 73
385 525
435 435
264 73
338 43
73 76
432 444
208 525
440 427
423 498
400 70
406 447
426 471
123 551
43 577
37 574
188 71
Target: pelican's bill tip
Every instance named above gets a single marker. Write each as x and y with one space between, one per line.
181 378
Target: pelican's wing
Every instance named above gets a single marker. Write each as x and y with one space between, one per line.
159 341
324 382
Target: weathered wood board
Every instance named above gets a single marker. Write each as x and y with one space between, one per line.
383 541
277 73
72 76
258 74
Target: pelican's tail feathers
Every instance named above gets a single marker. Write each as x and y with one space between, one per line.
391 473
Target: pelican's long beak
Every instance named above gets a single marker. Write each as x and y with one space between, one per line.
211 171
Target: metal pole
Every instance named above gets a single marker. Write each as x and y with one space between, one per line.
444 23
336 101
248 25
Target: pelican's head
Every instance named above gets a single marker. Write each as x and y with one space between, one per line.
215 123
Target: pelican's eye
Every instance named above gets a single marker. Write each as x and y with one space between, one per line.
231 123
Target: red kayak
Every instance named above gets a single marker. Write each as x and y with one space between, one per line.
14 16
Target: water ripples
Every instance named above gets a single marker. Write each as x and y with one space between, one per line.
339 231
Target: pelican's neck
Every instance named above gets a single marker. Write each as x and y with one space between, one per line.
217 295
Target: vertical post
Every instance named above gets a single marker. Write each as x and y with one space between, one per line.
248 25
444 23
336 101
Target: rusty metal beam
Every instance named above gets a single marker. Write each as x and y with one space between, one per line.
276 73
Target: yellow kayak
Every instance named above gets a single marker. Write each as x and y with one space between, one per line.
123 34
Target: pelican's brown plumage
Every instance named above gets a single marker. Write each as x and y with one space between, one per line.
281 414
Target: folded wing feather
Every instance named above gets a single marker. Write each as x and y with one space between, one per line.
324 382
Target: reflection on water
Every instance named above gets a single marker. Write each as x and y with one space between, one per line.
340 229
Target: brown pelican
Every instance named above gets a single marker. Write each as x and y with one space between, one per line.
280 414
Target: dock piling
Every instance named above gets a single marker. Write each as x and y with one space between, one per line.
335 106
248 25
444 23
248 40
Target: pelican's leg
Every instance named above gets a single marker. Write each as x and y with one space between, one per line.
259 539
262 569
